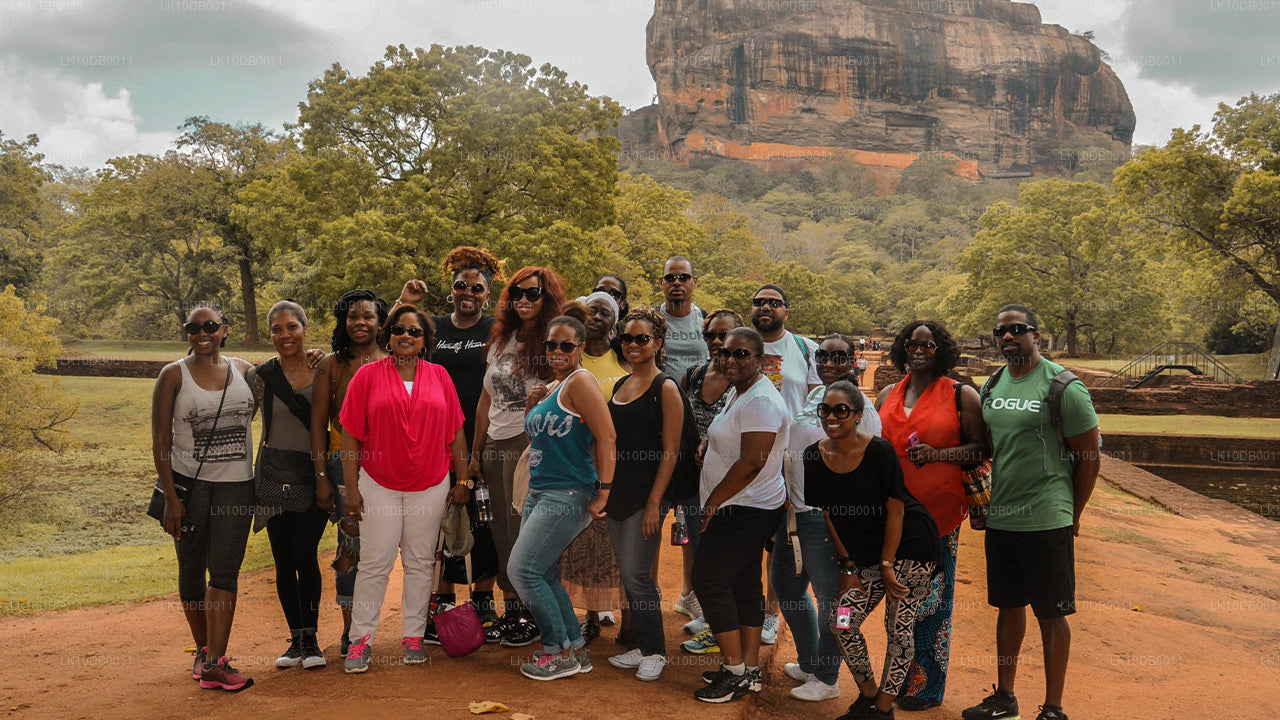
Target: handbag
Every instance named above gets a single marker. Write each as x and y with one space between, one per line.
977 483
459 627
155 508
286 480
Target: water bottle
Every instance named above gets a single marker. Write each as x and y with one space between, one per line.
679 529
484 508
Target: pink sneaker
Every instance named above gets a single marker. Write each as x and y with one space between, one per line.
198 665
221 676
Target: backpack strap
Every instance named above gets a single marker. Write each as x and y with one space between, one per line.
804 349
273 378
1058 388
983 395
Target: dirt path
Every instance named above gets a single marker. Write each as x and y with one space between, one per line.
1207 583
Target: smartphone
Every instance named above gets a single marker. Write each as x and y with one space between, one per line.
913 440
844 617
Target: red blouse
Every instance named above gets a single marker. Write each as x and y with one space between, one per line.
934 419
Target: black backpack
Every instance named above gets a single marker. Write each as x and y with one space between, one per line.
1057 388
685 477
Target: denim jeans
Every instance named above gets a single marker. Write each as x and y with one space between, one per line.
552 518
635 561
815 645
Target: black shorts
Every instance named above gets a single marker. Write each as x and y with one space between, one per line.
1035 568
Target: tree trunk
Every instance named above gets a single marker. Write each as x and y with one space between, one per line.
1273 362
250 301
1073 341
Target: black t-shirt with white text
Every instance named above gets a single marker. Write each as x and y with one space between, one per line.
461 353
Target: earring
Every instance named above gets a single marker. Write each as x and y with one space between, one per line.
486 305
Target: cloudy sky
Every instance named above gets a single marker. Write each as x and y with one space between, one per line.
100 78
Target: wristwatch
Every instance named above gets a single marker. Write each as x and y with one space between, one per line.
886 563
467 483
849 570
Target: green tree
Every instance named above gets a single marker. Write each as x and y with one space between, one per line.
1218 190
21 230
1062 251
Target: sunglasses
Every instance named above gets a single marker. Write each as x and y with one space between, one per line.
710 335
670 278
208 326
640 340
840 411
615 293
414 332
518 293
476 289
1018 330
563 346
774 303
839 357
924 346
740 354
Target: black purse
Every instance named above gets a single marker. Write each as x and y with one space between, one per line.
155 508
286 478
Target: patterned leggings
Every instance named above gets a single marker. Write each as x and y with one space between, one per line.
899 622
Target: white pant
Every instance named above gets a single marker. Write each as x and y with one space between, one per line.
410 522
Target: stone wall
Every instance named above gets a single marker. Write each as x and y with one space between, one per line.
103 367
1150 448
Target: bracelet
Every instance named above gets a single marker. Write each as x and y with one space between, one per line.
322 474
886 563
603 486
849 570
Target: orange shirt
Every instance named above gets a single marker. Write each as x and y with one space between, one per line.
934 419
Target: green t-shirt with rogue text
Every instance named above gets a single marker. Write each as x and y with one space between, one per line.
1031 483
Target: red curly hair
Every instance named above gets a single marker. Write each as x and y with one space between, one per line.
469 257
529 357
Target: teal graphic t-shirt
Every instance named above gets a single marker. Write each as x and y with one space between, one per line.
1031 483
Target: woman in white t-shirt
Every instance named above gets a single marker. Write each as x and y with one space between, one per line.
743 493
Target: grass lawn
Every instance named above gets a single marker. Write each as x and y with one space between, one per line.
1191 425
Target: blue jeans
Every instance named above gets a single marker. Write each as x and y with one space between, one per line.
635 561
552 518
815 645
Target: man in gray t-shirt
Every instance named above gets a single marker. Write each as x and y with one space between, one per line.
685 346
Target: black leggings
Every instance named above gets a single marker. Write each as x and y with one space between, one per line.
216 523
726 568
295 537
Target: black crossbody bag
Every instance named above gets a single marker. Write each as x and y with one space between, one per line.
286 478
155 508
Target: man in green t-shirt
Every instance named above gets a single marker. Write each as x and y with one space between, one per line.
1038 492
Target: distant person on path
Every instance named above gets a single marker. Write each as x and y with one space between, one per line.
685 348
1039 490
202 438
923 407
359 316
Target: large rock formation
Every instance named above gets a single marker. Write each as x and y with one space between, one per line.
982 79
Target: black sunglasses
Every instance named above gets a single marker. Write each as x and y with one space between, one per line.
838 357
710 335
476 289
414 332
614 292
563 346
841 411
1018 330
739 354
517 293
208 326
925 346
640 339
774 303
674 277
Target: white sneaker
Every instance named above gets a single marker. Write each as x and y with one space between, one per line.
606 618
651 667
688 605
696 625
794 672
769 634
814 690
627 660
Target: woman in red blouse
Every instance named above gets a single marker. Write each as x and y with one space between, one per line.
401 433
933 440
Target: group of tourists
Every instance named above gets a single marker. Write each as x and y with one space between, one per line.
572 428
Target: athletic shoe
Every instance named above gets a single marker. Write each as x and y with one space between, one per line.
912 704
606 618
1048 712
794 672
550 666
755 680
875 713
590 630
414 653
769 633
814 690
430 636
345 645
725 687
859 707
494 633
704 643
696 625
651 668
999 705
358 656
312 655
484 610
202 655
688 605
291 657
629 660
521 633
221 676
583 656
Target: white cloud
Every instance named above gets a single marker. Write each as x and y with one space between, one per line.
79 123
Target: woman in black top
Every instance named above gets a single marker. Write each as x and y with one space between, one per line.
649 405
886 542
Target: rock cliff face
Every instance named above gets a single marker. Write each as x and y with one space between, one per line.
982 79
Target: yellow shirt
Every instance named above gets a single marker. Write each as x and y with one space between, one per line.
606 370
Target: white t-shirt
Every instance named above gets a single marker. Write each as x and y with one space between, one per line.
759 409
807 430
508 392
785 365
